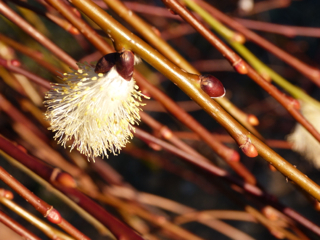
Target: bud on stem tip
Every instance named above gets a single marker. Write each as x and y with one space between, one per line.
249 149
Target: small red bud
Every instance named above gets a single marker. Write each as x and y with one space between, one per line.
252 120
265 76
156 31
239 38
171 11
6 194
73 30
212 86
315 74
145 92
106 63
270 213
277 234
272 168
66 179
235 157
237 188
317 205
125 64
294 103
15 63
165 132
76 12
22 149
240 67
155 146
54 216
249 149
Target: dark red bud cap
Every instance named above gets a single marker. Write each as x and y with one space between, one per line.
125 64
106 63
212 86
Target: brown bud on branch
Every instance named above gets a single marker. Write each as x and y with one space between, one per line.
105 63
125 64
249 149
212 86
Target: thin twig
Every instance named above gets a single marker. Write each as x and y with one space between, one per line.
216 224
16 227
31 76
35 55
19 21
48 230
41 206
310 72
289 31
57 20
45 171
251 189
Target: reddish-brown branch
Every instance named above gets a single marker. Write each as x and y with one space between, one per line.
228 139
57 20
41 206
17 116
269 5
230 55
310 72
35 55
234 59
206 166
119 229
155 106
165 133
143 8
31 76
177 31
230 155
289 31
25 26
251 189
37 167
16 227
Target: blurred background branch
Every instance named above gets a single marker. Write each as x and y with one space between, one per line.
186 174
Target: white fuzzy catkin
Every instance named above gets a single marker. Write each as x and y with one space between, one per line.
303 142
93 113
